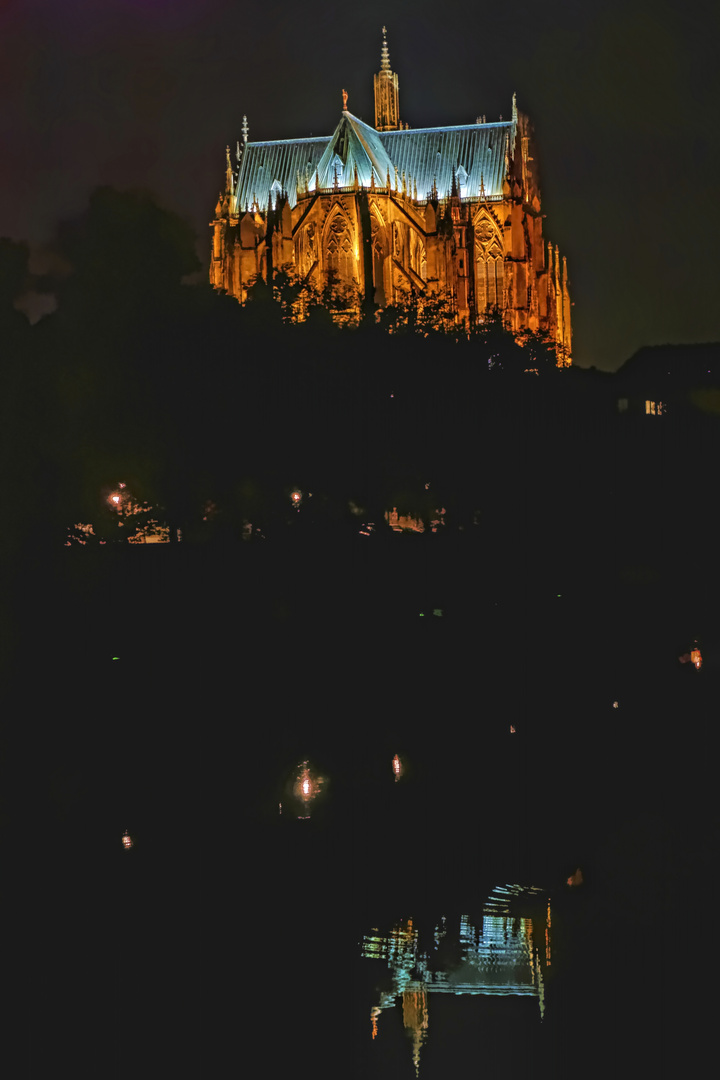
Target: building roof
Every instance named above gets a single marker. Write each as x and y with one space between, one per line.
427 156
671 365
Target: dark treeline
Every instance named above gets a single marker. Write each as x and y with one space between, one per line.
212 413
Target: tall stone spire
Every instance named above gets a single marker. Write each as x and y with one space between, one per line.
387 106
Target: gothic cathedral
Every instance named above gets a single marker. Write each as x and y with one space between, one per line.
390 211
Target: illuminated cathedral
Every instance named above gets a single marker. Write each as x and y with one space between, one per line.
389 212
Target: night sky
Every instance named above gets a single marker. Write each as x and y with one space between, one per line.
623 95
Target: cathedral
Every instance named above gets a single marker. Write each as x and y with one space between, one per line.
388 212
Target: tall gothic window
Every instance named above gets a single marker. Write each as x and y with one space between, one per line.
417 255
340 251
489 265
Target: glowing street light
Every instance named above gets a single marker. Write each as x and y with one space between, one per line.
127 840
307 787
296 497
397 767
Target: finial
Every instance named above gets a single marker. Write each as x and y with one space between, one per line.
345 97
514 108
238 151
384 54
228 172
245 130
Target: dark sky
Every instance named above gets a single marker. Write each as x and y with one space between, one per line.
623 96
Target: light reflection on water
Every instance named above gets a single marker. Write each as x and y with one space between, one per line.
505 952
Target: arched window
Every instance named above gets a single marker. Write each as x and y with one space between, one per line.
489 265
417 255
340 251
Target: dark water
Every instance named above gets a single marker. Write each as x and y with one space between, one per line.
232 930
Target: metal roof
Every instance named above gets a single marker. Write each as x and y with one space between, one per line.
431 154
425 155
264 163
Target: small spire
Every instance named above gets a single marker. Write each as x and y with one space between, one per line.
434 190
384 54
388 178
453 185
336 181
514 108
415 190
355 180
245 130
238 151
228 172
396 179
507 154
404 186
482 187
372 178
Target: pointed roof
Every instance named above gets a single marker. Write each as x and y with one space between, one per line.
353 145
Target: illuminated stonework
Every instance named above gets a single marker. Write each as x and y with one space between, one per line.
377 214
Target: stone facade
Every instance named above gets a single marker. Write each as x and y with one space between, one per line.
387 212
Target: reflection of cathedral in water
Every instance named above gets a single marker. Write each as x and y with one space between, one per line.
506 954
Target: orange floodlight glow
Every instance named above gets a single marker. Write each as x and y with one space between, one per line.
307 785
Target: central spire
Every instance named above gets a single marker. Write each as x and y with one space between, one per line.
387 108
